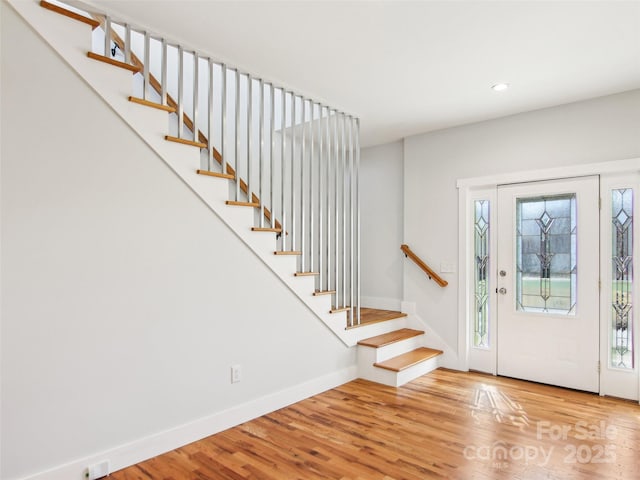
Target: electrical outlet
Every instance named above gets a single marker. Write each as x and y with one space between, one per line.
97 470
236 373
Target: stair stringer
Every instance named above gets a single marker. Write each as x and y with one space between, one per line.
71 40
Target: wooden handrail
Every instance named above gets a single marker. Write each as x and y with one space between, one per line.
428 270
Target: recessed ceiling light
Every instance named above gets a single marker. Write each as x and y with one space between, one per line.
500 87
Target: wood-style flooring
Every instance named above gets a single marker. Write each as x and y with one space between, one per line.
445 424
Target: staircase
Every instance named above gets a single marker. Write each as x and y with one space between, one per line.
283 177
396 357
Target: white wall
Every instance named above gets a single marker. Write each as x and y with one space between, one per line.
124 299
381 192
597 130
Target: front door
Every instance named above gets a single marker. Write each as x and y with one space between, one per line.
548 282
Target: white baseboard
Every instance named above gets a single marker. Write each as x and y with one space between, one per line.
381 303
135 452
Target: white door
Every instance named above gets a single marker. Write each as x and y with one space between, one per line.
548 275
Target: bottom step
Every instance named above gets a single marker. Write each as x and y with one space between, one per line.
409 359
397 371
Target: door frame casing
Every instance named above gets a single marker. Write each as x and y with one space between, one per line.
470 189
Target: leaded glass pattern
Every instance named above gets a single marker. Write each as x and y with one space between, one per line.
481 277
546 254
622 278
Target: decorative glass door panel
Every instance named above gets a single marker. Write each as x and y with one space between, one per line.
622 278
481 273
547 289
482 281
546 240
619 342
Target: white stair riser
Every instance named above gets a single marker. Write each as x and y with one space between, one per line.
378 375
375 355
396 379
398 348
353 335
416 371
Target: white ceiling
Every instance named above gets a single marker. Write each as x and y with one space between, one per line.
406 67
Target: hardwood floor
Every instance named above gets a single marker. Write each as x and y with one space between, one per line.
444 425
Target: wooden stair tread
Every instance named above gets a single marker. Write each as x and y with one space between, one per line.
389 338
115 63
242 204
369 316
287 252
68 13
409 359
266 229
147 103
317 293
185 141
306 274
339 309
215 174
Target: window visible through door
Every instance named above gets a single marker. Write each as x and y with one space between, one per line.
546 244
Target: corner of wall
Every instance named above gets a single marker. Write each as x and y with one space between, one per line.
449 357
